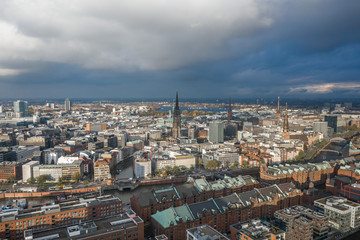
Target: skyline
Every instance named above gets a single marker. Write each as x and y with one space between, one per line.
242 49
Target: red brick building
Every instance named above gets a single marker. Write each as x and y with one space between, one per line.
300 174
13 223
222 212
10 169
196 190
123 226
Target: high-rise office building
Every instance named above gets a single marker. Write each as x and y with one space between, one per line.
216 132
332 122
67 105
176 119
21 107
321 127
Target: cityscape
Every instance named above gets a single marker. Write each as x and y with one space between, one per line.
180 120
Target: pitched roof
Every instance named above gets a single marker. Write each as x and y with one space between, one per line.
199 208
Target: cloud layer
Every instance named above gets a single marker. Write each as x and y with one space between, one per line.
327 87
255 46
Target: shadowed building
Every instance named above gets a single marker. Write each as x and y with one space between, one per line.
229 114
176 119
216 132
286 124
222 212
278 114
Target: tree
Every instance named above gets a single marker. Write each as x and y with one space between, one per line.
60 180
31 180
64 179
212 165
158 172
176 170
41 179
11 179
226 164
168 170
245 164
76 177
234 166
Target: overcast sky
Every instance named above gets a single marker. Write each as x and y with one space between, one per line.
203 48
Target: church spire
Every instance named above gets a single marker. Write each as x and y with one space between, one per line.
278 114
176 119
229 115
286 121
177 100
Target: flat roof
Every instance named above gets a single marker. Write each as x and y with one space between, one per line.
207 231
257 229
106 225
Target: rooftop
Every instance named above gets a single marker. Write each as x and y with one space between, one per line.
297 211
48 209
339 203
92 228
257 229
206 232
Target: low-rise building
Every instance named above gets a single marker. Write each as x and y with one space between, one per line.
125 225
10 169
179 160
54 172
204 232
27 170
300 174
14 222
142 168
50 156
24 153
222 212
343 214
302 223
101 170
196 190
255 229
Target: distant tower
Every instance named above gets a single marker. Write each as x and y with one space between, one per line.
278 114
229 115
67 105
21 108
286 124
216 132
176 119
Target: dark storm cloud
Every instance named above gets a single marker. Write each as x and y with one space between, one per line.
203 48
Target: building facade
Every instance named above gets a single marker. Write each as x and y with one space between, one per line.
216 132
125 225
14 223
221 213
255 229
302 223
196 190
21 108
67 105
204 232
10 170
343 214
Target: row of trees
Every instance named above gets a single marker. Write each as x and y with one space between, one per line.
39 180
42 179
167 171
214 165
